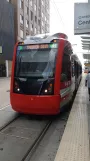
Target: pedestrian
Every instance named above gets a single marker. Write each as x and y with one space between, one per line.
87 83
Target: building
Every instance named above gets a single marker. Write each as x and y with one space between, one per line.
6 37
31 17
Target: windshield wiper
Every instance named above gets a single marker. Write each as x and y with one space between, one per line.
18 66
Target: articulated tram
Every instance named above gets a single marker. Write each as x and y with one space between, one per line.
45 74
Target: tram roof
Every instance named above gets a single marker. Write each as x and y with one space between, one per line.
44 38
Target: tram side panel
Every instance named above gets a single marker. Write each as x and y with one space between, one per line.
67 83
78 74
73 74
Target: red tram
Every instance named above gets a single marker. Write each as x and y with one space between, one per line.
45 74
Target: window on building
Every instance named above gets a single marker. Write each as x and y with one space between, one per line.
42 14
42 2
27 23
27 33
31 27
48 21
35 7
47 3
35 19
27 10
21 34
47 29
42 23
21 19
31 2
39 3
39 22
31 15
35 30
21 4
42 31
39 12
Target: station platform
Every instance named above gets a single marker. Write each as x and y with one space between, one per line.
74 145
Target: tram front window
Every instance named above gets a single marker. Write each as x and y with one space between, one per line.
35 62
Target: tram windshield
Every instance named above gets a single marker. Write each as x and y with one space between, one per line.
36 60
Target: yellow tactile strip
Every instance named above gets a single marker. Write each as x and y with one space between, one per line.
74 145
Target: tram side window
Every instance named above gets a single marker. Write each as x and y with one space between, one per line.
80 70
73 68
66 68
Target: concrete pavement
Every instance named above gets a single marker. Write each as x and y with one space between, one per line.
6 112
4 93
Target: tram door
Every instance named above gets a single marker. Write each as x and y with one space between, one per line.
66 88
66 66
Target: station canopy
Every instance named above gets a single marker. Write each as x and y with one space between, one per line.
85 42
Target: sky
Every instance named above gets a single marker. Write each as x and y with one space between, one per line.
62 20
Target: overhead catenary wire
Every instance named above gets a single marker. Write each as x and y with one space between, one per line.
58 13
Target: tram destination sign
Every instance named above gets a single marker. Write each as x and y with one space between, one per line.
81 18
40 46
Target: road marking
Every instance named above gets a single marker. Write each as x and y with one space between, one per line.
4 107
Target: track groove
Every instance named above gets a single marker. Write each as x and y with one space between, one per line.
36 142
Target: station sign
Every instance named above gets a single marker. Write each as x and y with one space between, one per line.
81 18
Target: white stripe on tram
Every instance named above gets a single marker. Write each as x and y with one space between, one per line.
65 91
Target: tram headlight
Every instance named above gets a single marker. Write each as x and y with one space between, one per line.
16 87
48 88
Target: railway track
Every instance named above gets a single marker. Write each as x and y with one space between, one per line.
46 147
21 130
24 132
36 142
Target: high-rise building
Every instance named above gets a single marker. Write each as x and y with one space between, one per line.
6 37
31 17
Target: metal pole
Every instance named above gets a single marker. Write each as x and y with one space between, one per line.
7 73
88 1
